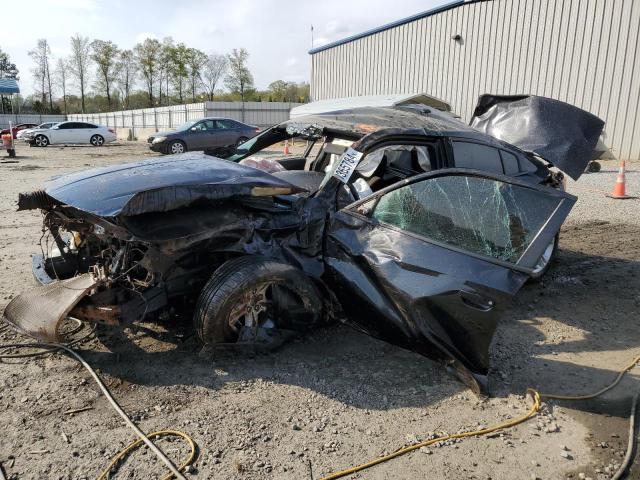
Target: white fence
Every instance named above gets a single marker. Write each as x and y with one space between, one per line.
141 121
28 118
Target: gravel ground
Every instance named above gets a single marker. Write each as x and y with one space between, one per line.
593 205
337 397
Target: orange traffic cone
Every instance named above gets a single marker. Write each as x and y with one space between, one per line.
286 147
619 189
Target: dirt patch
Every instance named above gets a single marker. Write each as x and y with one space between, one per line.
337 397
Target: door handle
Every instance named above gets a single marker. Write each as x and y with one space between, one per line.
476 301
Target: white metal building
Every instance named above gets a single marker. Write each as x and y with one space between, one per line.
584 52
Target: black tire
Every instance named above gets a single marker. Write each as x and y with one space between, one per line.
295 303
241 140
594 167
538 274
176 146
96 140
41 141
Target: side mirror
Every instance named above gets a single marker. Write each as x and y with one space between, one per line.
193 129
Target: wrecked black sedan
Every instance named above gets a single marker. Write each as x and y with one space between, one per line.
407 223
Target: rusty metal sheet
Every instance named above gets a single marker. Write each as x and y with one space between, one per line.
40 311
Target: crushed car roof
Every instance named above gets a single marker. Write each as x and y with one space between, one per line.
365 120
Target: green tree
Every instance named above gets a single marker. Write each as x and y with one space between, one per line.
147 55
239 79
281 91
105 55
278 90
196 60
8 69
164 70
178 68
127 70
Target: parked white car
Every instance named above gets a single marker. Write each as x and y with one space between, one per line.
21 135
72 132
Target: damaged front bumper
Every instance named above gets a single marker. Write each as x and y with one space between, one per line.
39 312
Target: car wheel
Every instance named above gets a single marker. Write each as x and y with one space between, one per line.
176 147
241 140
41 141
593 167
255 300
546 259
96 140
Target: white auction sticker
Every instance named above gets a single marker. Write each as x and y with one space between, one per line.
347 164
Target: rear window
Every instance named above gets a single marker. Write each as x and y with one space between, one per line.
226 124
510 163
477 157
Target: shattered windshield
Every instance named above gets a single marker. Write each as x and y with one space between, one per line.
480 215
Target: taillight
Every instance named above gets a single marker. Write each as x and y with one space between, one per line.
112 130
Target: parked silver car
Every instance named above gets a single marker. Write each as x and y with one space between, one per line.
65 133
21 135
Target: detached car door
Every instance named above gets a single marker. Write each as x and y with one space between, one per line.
430 262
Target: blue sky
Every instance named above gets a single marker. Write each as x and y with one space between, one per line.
276 33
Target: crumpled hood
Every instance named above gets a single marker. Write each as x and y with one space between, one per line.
161 184
562 134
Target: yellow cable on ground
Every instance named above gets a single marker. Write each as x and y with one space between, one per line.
589 396
161 433
57 347
535 408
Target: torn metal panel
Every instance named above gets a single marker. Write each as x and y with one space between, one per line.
562 134
40 311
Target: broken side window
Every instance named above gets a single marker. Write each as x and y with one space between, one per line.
479 215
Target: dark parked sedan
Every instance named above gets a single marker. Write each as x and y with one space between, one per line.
201 135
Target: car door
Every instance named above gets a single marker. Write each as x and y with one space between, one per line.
199 135
62 133
77 132
227 134
431 262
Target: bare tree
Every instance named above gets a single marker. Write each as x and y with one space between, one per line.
41 55
239 78
213 70
147 55
80 62
62 76
127 70
196 61
105 54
